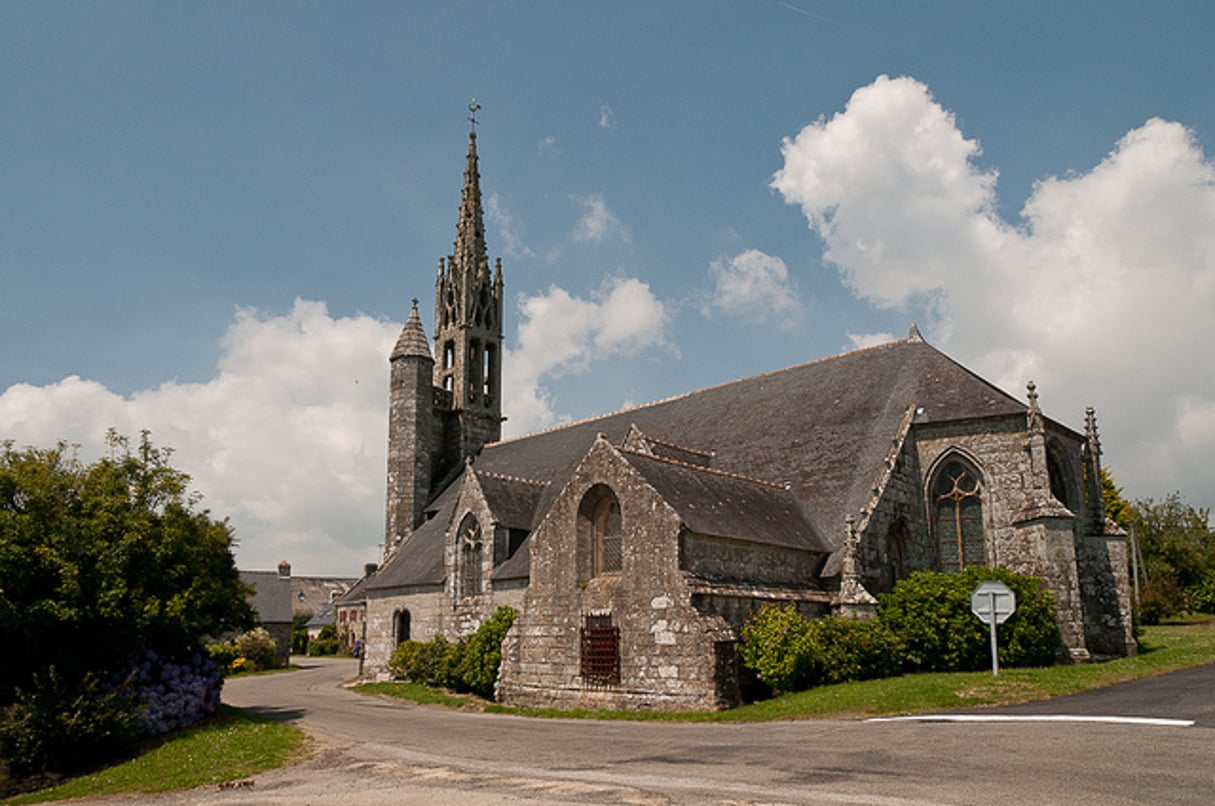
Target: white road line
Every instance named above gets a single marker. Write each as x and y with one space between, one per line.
1116 720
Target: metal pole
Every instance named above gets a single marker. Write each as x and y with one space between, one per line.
995 655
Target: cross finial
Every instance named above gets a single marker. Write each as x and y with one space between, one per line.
473 109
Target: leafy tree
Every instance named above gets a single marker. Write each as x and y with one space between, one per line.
1117 508
106 561
1177 545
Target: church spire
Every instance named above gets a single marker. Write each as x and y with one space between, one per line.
468 317
470 256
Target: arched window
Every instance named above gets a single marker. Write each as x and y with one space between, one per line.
468 558
958 515
599 518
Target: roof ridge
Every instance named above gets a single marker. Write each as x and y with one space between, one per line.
508 477
683 448
702 468
736 381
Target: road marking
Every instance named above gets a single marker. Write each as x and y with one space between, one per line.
1115 720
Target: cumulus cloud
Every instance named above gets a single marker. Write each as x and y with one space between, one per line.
1102 292
752 286
560 334
607 120
287 439
598 223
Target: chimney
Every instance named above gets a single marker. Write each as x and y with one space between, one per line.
284 570
369 569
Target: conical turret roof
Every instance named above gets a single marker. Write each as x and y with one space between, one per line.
412 342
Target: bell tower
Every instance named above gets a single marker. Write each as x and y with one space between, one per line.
468 326
444 405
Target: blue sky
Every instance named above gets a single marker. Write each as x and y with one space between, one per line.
213 216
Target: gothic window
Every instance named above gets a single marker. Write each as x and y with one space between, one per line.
958 515
600 655
469 558
599 519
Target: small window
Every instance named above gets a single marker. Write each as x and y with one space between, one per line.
599 519
600 661
958 508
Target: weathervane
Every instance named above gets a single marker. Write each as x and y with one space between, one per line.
473 109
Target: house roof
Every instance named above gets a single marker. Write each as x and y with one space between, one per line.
271 598
822 428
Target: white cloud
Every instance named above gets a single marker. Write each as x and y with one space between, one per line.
597 222
1103 293
607 120
560 334
859 341
287 440
753 286
508 227
546 146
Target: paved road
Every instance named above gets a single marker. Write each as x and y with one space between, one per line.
374 751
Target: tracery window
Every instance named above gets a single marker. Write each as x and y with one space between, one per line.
958 515
469 557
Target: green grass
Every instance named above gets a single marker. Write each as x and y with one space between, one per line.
1162 649
423 695
235 745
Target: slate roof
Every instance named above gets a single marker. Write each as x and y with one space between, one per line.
823 428
512 500
271 598
722 504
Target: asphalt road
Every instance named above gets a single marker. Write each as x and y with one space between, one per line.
373 751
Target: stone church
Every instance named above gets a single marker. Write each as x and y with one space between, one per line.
635 544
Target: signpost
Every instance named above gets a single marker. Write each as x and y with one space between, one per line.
993 602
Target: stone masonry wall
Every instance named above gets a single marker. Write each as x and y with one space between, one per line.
671 656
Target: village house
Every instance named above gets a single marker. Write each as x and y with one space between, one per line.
635 544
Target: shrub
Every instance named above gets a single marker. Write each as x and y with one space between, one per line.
63 726
323 646
482 654
174 695
776 647
789 652
402 658
257 647
930 614
224 656
851 649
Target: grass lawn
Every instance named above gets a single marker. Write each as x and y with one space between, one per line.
1163 649
234 745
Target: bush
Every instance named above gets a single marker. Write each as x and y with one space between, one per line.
789 652
930 614
174 695
224 656
776 647
258 648
402 658
852 649
64 726
478 668
323 646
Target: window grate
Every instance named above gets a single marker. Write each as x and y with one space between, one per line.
600 650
